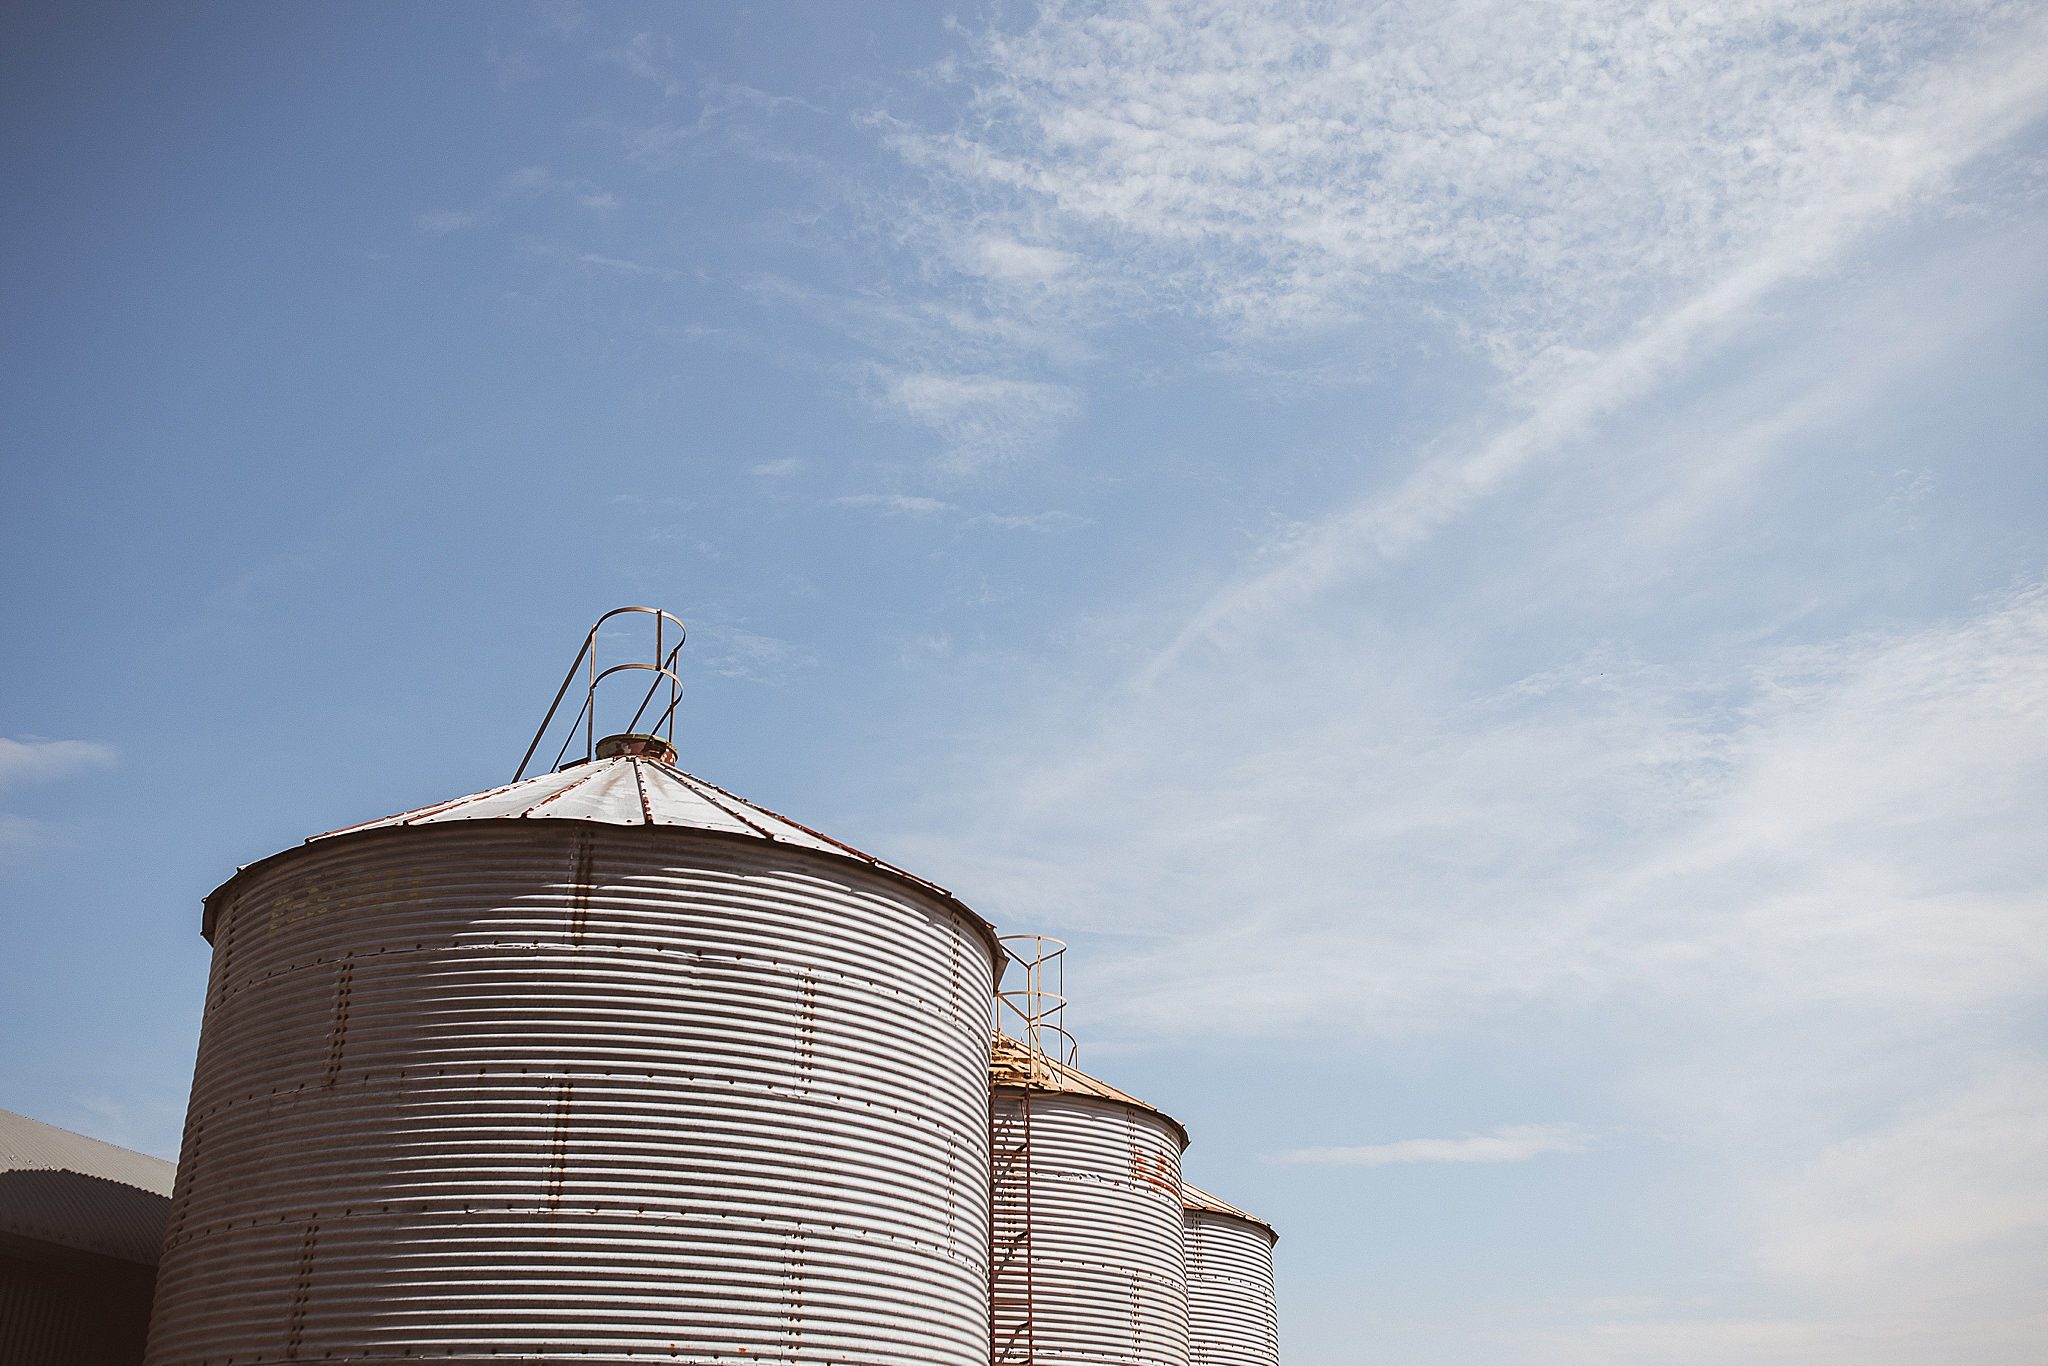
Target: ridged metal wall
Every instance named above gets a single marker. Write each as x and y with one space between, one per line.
71 1310
557 1091
1087 1232
1233 1314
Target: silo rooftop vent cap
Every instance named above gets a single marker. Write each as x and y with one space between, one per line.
637 745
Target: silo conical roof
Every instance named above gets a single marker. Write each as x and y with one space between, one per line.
1196 1199
1013 1062
630 790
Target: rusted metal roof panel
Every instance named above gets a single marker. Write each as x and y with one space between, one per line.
77 1192
1195 1198
1233 1314
553 1090
1012 1063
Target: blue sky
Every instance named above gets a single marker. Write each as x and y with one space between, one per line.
1484 563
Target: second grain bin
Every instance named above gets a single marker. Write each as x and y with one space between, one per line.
607 1065
1088 1266
1233 1315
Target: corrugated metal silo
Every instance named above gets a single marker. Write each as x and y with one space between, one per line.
1233 1314
605 1065
1087 1258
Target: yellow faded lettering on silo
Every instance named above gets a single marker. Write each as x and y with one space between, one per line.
319 899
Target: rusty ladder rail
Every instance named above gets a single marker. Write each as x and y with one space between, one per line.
1019 1244
663 667
1039 1007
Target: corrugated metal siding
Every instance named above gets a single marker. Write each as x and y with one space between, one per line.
77 1192
575 1092
1087 1232
29 1145
1233 1315
72 1310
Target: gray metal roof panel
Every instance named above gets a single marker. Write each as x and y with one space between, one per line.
592 792
674 800
630 790
77 1192
626 789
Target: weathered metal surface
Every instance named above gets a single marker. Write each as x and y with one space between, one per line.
77 1310
549 1089
1195 1198
75 1192
1011 1063
654 747
1233 1313
1088 1261
623 789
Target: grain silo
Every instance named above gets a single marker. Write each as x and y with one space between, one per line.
604 1065
1233 1314
1087 1248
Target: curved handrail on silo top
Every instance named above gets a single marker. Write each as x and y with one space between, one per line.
662 667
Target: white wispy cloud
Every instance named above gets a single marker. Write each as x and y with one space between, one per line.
1514 1143
1005 259
1050 520
511 68
995 388
34 760
921 506
19 834
1950 117
1849 820
620 265
1285 163
1910 1238
1588 199
902 504
732 651
730 117
981 420
38 760
145 1123
526 183
441 222
648 57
